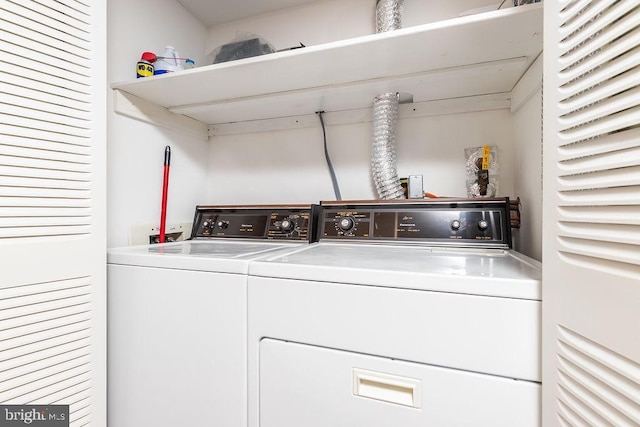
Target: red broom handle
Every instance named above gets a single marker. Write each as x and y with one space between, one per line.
165 191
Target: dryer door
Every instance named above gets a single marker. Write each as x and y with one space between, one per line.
302 385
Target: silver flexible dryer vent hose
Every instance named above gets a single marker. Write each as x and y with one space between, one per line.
383 148
385 116
388 15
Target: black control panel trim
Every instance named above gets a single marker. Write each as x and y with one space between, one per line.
483 223
257 222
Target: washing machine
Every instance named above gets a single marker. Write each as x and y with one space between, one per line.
177 317
405 314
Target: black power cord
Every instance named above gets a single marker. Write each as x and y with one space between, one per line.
334 180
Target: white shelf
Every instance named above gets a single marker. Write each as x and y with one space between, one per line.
481 54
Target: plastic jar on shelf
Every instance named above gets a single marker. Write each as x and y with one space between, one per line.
169 62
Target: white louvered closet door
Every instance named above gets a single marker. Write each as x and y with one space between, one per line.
52 205
591 249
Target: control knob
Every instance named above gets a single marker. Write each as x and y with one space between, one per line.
287 225
483 224
346 223
223 224
455 225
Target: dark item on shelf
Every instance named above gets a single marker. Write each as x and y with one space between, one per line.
242 49
291 48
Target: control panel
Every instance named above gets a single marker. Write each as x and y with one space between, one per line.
445 222
289 222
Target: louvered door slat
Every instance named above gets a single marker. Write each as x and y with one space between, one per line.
52 47
603 126
26 125
54 193
33 69
587 416
49 178
55 303
29 371
567 417
54 385
26 182
604 160
63 369
44 31
52 234
620 81
28 197
628 139
19 105
46 91
46 145
612 196
591 241
61 17
14 130
43 231
594 18
26 57
26 202
80 416
53 320
601 379
590 369
612 99
82 6
606 233
614 177
64 350
42 153
70 18
77 87
43 292
51 222
40 211
602 214
577 77
79 169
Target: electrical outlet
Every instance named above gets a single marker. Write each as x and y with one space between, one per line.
145 234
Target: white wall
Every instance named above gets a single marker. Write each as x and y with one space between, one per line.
527 161
135 149
289 166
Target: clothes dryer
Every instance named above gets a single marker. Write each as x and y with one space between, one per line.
177 317
404 314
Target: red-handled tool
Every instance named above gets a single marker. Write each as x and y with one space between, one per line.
165 190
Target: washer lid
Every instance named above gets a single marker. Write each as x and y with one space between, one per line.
224 256
490 272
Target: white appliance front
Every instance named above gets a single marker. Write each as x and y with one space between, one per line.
400 304
177 317
360 390
177 333
461 323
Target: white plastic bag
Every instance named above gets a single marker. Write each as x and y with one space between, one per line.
483 171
